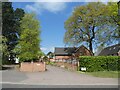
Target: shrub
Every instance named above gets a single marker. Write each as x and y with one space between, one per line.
100 63
51 63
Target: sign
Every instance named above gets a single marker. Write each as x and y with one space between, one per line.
38 64
83 68
16 60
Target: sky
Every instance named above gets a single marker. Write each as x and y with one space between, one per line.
52 17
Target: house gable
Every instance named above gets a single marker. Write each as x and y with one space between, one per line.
112 50
83 51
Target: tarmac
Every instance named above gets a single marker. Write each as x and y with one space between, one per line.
54 77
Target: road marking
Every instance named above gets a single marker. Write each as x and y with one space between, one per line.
51 84
13 83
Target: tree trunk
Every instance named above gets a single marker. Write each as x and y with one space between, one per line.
90 46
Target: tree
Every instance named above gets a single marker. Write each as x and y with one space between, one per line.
7 20
11 24
114 19
89 24
50 54
28 48
0 18
18 15
3 49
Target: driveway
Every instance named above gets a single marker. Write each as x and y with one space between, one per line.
54 76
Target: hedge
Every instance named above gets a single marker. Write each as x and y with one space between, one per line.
100 63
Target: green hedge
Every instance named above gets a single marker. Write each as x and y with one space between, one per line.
100 63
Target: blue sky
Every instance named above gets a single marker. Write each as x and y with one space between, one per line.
52 17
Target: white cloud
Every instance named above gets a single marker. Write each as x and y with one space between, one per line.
39 7
31 8
46 50
43 49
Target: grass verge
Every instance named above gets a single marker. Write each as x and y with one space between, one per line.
104 74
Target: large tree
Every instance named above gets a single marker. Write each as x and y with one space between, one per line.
88 23
11 24
28 48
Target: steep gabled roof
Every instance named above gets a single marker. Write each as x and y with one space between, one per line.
64 51
82 46
49 53
110 50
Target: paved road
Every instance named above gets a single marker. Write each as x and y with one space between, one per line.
56 86
54 76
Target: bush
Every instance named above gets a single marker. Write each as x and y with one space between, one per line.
100 63
51 63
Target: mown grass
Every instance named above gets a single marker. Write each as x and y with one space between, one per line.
104 74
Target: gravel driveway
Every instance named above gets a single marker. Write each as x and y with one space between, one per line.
54 76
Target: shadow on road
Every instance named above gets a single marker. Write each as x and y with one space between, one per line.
7 68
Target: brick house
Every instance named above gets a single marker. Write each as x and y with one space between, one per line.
82 51
67 53
111 51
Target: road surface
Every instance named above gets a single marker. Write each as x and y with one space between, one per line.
54 77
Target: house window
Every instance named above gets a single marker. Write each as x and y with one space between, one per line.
81 53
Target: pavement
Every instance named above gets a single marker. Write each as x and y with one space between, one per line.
54 77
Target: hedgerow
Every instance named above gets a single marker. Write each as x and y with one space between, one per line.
100 63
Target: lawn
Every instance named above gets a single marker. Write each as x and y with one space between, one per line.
104 74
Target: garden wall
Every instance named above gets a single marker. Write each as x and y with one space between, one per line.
32 67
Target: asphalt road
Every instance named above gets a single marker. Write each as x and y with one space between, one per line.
55 76
56 86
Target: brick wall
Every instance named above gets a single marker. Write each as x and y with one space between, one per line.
63 57
52 60
32 67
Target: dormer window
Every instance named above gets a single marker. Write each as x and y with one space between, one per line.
114 47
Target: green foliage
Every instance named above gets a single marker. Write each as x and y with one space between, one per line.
115 18
51 63
11 26
28 47
3 45
3 50
45 58
40 54
50 54
105 74
11 23
100 63
90 23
